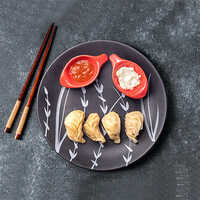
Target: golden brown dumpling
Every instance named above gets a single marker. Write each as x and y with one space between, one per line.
112 124
91 128
73 124
133 124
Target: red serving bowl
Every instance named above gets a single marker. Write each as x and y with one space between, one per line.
137 92
97 62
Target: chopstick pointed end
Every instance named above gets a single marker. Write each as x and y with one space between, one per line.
7 130
17 136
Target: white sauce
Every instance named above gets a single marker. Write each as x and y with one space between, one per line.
128 78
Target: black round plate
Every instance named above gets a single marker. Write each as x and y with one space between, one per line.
55 102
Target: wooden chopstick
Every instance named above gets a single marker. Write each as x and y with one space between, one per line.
27 82
27 107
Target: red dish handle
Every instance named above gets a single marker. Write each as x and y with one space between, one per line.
115 59
101 59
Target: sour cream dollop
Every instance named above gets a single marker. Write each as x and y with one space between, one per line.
128 78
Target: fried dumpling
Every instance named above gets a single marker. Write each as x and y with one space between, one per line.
112 124
133 124
91 128
73 123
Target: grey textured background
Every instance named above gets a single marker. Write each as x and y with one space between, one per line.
168 33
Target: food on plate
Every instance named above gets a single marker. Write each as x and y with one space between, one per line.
73 123
91 128
133 124
81 71
128 78
112 124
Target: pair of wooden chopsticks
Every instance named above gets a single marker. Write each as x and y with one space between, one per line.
48 39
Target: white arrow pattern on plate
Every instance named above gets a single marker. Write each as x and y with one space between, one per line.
47 112
104 108
148 121
84 104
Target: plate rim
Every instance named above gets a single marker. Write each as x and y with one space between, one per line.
147 60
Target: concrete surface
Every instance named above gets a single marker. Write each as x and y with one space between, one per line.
168 33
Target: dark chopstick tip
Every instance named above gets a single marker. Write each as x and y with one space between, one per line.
53 24
7 130
55 27
17 136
